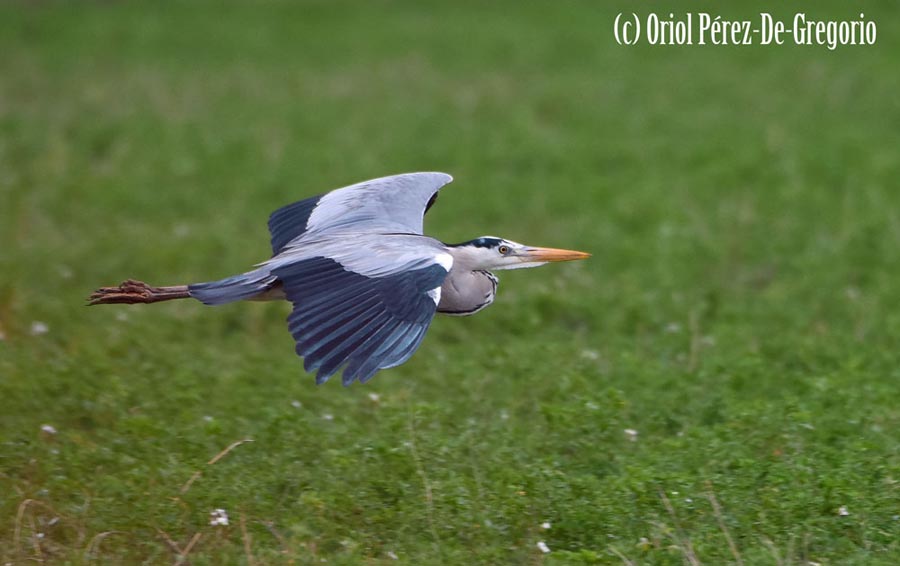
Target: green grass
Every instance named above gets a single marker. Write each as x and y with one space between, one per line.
739 313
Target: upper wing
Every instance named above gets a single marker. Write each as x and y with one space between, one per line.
394 204
365 323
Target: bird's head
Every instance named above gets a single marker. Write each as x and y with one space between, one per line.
492 253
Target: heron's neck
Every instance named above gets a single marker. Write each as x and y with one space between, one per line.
471 258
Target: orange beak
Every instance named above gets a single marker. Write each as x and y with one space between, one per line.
553 254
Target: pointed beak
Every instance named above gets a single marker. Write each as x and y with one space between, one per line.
553 254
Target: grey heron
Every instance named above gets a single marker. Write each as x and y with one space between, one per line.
364 281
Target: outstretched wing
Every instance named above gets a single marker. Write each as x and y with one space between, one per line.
364 323
394 204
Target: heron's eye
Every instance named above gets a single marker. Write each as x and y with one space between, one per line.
503 250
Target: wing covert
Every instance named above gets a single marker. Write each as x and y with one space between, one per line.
394 204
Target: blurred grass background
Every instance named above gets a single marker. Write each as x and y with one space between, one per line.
733 339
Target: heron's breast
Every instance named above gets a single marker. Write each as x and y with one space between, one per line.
463 294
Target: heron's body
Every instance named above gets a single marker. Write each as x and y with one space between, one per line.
364 281
464 291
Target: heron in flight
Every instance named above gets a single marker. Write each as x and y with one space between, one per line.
364 281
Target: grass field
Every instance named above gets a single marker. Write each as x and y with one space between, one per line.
719 384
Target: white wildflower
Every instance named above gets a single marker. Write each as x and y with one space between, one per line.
590 354
48 429
218 517
328 417
842 511
643 543
631 434
542 546
392 555
375 397
545 525
296 404
38 328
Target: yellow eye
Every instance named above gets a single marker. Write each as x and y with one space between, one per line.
503 250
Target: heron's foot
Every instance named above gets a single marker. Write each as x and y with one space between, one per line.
132 291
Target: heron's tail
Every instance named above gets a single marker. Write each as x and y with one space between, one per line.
236 288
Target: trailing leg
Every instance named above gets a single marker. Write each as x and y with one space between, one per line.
133 291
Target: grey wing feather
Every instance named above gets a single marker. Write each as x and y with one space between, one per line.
344 319
289 222
394 204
